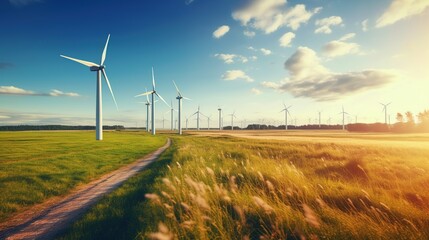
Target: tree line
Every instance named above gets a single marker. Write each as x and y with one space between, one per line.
405 123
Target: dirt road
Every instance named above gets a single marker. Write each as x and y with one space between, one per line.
52 219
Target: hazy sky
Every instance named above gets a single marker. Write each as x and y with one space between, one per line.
247 56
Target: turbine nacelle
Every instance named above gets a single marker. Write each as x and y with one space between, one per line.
96 68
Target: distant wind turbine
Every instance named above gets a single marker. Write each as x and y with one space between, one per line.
100 69
172 115
286 110
320 119
179 99
343 116
147 103
232 120
385 111
220 118
153 92
198 118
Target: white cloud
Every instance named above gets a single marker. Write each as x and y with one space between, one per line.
23 2
364 25
187 2
401 9
286 39
58 93
270 15
249 34
221 31
340 47
230 58
236 75
256 91
266 52
325 24
309 78
12 90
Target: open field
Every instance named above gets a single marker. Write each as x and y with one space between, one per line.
317 185
36 166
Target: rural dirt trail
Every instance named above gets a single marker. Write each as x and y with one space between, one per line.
57 216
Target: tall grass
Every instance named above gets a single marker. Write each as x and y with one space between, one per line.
35 166
228 188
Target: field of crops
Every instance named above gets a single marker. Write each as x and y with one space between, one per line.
223 187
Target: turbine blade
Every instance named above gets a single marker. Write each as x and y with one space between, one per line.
283 110
144 94
160 97
86 63
147 96
103 56
187 98
153 80
178 92
388 104
110 88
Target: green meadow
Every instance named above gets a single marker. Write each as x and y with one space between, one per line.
36 166
223 187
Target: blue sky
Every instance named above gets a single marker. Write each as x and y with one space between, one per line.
247 56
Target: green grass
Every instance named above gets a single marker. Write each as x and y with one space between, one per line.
233 188
123 213
35 166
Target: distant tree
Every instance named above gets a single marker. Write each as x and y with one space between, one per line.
424 121
410 118
423 116
400 117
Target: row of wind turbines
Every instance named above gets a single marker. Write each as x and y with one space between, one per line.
100 69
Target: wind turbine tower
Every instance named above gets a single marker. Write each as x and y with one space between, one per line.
198 118
344 113
286 110
100 69
153 93
232 120
320 119
220 118
385 111
179 99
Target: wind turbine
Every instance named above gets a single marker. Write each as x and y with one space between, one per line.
320 119
385 111
147 103
153 92
208 122
220 118
100 69
286 110
198 118
172 115
179 99
343 116
232 120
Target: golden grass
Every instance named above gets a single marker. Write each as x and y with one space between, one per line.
232 188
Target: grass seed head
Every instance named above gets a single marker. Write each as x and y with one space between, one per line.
262 204
310 216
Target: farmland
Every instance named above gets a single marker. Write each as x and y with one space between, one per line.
38 166
265 185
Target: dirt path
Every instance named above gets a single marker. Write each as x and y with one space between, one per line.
55 217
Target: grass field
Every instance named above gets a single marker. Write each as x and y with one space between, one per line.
223 187
35 166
